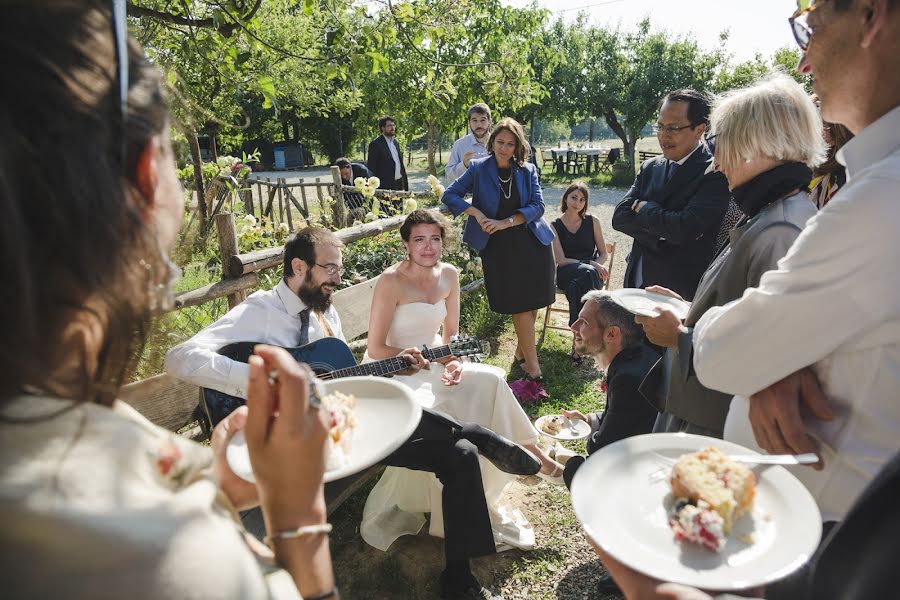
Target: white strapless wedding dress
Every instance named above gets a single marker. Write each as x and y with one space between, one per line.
397 503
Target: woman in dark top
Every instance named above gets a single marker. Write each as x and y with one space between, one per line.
579 250
507 227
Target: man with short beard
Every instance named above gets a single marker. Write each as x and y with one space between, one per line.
471 145
298 311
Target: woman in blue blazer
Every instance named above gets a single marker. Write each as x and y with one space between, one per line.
507 228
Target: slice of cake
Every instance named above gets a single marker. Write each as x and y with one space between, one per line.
552 424
706 482
341 425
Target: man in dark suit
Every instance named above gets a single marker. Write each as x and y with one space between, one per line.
609 333
386 159
676 205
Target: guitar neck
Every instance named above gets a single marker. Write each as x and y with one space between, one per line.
388 366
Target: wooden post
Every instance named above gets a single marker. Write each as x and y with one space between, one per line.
228 247
287 205
340 214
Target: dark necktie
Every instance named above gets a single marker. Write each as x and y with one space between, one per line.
304 327
671 168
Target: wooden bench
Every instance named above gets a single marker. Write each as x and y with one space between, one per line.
176 405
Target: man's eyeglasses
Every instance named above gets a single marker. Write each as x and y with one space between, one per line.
799 22
658 128
331 268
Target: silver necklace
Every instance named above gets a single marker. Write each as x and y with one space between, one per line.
507 181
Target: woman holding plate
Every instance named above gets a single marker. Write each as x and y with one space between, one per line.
506 226
768 138
96 499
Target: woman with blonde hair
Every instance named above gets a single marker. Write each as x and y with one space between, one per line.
506 226
579 250
767 140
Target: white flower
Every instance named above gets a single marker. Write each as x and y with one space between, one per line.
283 228
370 216
409 205
374 182
432 181
439 192
250 220
359 182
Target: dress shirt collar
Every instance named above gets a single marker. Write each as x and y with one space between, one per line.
689 154
473 141
872 144
388 139
291 302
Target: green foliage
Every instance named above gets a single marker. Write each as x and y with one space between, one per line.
477 319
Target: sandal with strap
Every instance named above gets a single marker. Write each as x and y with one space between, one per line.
555 477
539 378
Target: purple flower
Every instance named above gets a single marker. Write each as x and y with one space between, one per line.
527 390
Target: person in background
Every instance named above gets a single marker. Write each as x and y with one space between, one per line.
675 207
473 144
385 159
579 251
767 140
357 204
97 500
506 226
830 175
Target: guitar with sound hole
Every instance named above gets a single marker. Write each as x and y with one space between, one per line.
331 358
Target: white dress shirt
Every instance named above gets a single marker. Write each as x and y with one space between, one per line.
394 155
455 165
267 316
833 303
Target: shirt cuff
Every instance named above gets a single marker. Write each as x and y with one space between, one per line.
238 378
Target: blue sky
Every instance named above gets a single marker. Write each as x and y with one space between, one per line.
754 25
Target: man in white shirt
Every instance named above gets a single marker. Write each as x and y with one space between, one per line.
472 145
813 353
385 159
298 311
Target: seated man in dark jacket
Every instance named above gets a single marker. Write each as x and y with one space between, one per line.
608 332
357 204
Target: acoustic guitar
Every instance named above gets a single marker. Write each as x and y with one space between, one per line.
331 358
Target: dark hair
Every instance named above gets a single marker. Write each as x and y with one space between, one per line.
302 245
382 121
840 135
698 104
342 163
583 188
480 108
81 256
421 216
512 126
608 314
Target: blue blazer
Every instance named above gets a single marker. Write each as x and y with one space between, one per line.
482 180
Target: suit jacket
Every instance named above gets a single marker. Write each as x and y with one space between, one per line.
482 180
381 163
675 232
627 412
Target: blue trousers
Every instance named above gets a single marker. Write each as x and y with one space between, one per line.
576 280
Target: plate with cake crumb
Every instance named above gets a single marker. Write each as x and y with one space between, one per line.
675 507
560 428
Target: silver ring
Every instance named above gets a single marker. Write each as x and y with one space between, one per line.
273 377
315 391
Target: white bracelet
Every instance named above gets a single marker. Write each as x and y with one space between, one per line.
289 534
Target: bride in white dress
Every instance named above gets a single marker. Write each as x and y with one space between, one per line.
413 301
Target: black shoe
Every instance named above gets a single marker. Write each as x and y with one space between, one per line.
607 585
503 454
466 588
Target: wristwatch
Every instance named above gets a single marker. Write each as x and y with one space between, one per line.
511 222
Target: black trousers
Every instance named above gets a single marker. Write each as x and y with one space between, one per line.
437 446
576 280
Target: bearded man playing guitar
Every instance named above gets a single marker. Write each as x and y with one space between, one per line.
297 311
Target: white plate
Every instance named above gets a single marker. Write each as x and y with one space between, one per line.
642 302
582 429
625 512
386 415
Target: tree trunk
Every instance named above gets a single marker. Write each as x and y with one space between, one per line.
200 188
591 130
285 134
431 167
627 146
